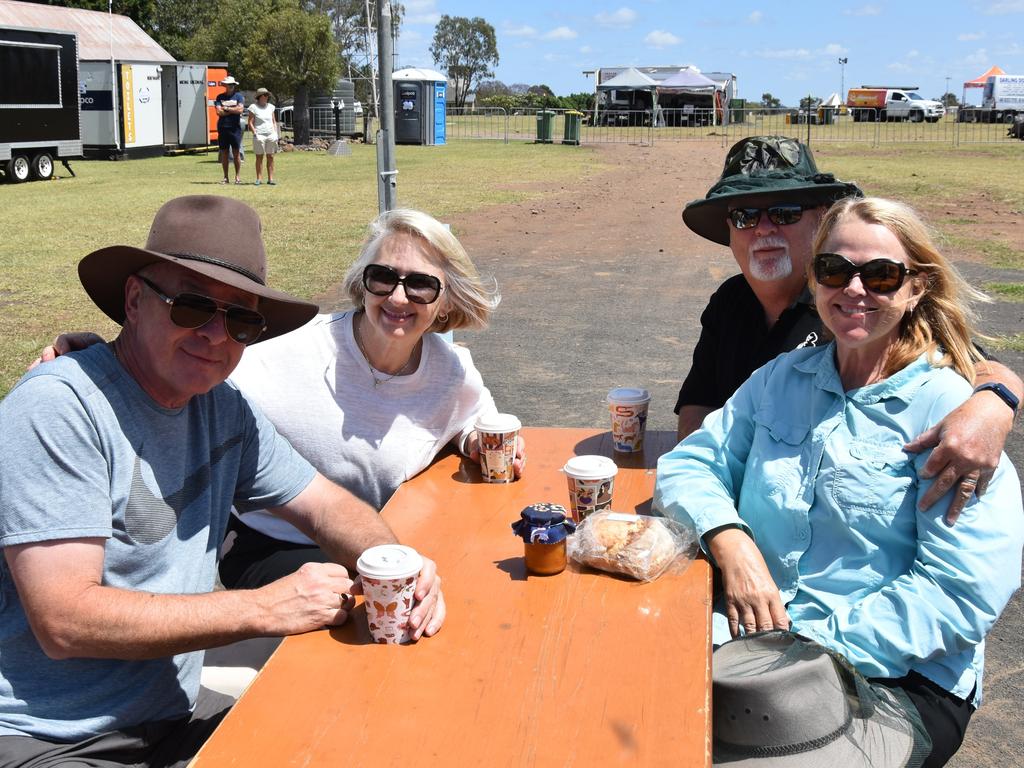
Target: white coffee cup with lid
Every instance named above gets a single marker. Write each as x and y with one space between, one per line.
628 409
591 482
388 573
497 433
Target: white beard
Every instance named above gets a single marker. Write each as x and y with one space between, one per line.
770 269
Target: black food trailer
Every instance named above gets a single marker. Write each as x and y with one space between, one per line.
39 101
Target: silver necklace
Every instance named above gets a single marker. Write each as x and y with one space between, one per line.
377 381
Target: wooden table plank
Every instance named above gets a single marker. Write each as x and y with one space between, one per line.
578 669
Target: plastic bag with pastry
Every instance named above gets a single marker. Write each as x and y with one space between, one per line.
634 545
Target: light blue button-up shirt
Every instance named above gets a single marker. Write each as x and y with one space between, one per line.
818 477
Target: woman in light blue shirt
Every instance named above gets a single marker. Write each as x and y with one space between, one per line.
803 495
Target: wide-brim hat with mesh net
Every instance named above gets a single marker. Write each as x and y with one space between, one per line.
782 701
761 171
213 235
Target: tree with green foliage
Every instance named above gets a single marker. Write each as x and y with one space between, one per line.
770 102
293 51
948 100
466 49
227 35
809 103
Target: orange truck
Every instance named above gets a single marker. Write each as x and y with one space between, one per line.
870 103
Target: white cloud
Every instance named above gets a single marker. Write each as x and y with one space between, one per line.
834 49
913 53
585 49
899 66
755 17
411 36
523 31
979 58
623 17
1006 6
1013 49
555 57
422 18
560 33
661 39
864 10
782 53
968 36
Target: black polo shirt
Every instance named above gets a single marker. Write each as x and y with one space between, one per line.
735 341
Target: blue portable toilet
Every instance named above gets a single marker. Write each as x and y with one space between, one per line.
420 99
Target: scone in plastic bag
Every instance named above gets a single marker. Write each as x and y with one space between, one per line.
635 545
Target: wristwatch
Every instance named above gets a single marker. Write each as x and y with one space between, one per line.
1001 391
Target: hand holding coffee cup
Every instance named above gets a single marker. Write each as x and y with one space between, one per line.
388 574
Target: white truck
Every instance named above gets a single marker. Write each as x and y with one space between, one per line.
1003 97
879 102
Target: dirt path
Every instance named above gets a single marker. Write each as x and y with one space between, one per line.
603 285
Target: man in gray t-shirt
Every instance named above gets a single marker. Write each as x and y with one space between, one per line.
115 495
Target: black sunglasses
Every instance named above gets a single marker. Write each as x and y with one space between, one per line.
779 215
878 275
419 288
193 310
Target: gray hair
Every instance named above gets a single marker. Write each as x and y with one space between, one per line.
471 299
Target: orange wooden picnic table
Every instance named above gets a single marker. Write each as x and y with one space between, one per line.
579 669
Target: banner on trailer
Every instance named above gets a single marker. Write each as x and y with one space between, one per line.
141 105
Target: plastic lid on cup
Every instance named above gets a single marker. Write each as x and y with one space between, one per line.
389 561
590 467
498 422
629 395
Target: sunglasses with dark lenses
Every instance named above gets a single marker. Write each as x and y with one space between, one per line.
878 275
419 288
193 310
779 215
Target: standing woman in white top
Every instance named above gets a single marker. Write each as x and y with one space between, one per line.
263 124
370 396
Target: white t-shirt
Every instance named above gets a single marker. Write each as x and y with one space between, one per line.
263 120
315 386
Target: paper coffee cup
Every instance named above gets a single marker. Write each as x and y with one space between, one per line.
628 408
591 482
497 434
389 580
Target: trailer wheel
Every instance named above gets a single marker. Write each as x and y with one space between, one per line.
1008 117
18 169
42 166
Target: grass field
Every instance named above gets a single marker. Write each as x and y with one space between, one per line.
315 218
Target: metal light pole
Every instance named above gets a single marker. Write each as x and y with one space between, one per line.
842 76
386 173
945 94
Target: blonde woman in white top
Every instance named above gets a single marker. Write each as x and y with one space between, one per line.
265 133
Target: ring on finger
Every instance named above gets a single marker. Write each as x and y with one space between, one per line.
969 481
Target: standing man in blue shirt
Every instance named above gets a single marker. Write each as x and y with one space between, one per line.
230 105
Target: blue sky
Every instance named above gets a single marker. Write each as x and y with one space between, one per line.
789 49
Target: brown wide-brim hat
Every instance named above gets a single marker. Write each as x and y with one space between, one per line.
761 171
218 237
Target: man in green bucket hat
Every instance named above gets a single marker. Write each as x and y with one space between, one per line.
766 207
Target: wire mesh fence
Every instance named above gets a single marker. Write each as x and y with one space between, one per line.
651 126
